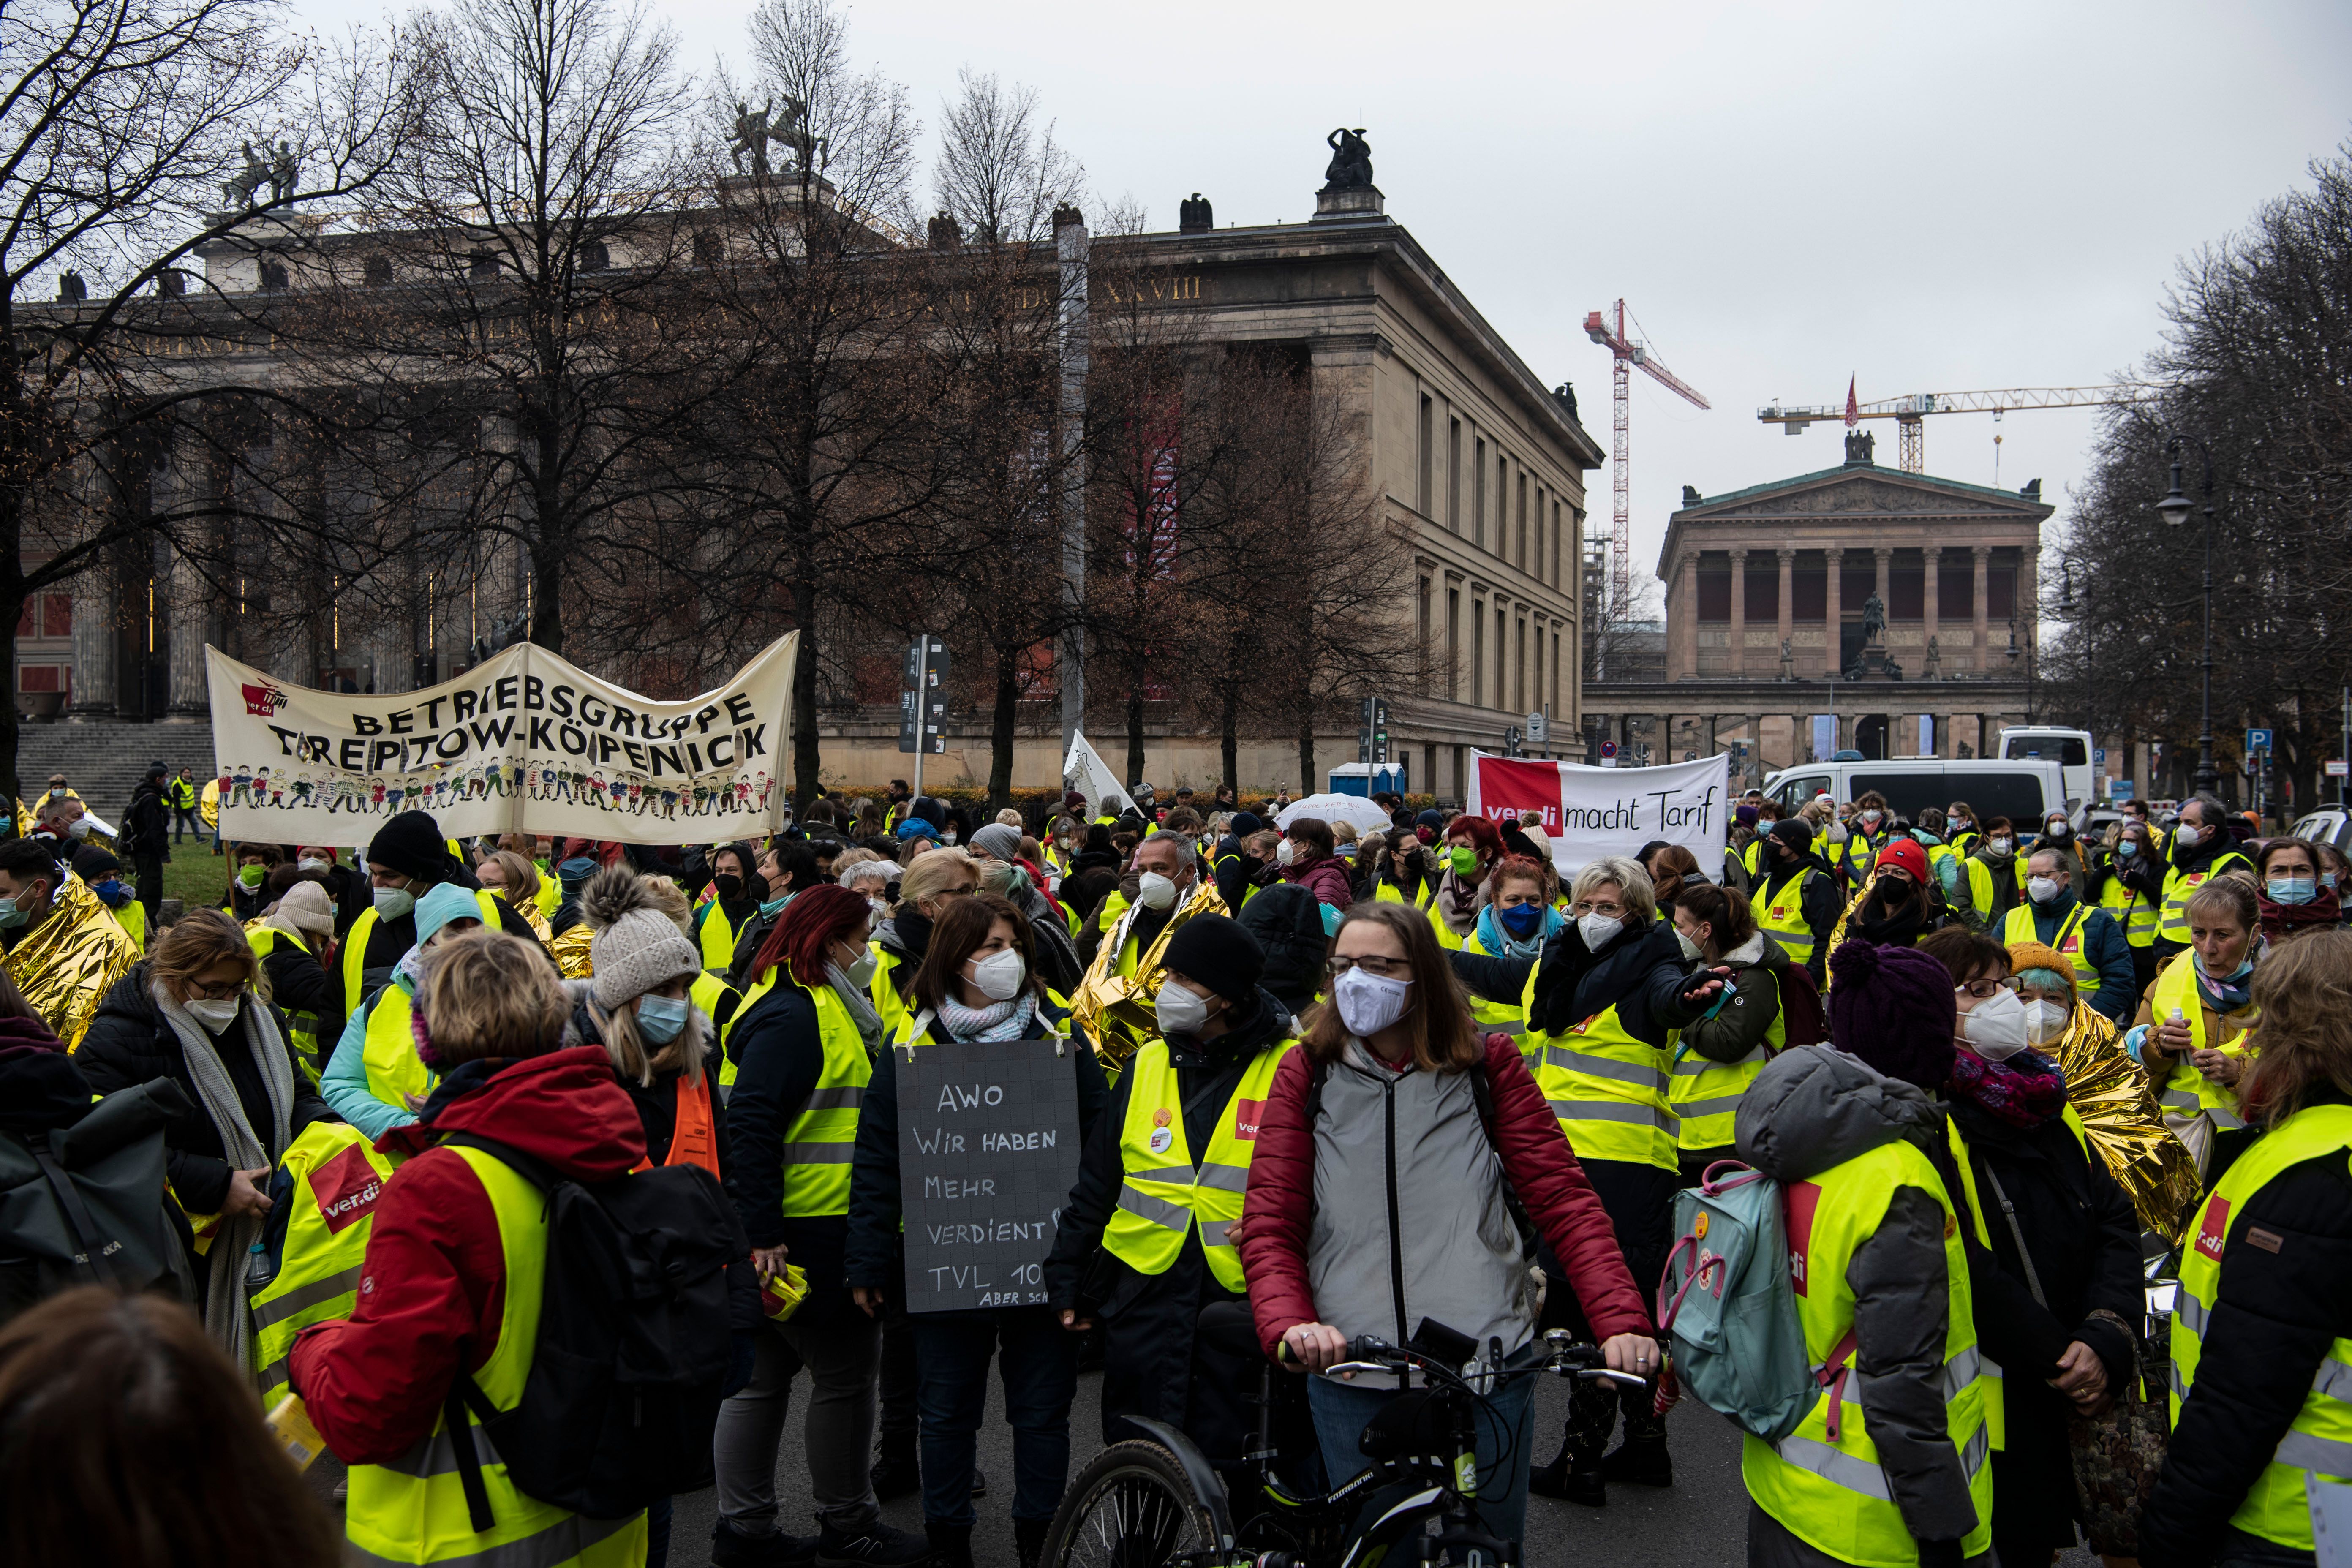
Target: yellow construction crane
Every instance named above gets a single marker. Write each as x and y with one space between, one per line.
1910 413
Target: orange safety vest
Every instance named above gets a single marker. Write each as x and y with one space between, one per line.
691 1139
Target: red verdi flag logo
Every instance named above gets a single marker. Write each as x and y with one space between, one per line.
346 1188
1798 1203
1248 1114
2215 1231
1508 787
263 702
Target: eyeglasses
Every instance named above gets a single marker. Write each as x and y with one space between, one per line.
1982 990
220 991
1386 968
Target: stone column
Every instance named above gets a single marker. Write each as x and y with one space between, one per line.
96 613
1686 634
1832 612
1736 664
1982 554
1931 602
2029 600
1883 557
1786 627
191 629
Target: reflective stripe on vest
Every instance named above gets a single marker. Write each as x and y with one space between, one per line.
1494 1018
1705 1094
389 1050
818 1142
2179 885
413 1510
1829 1491
2018 926
717 937
1782 916
1607 1089
1164 1194
338 1177
2318 1444
2186 1091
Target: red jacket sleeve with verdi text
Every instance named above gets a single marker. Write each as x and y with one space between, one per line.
1280 1212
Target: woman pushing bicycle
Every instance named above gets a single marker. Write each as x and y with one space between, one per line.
1397 1152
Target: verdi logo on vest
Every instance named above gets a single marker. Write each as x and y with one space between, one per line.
1801 1201
1248 1114
2215 1231
346 1188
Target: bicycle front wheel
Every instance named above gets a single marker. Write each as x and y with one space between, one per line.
1132 1507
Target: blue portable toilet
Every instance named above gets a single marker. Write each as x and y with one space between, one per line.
1362 778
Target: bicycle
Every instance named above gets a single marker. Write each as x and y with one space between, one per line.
1159 1503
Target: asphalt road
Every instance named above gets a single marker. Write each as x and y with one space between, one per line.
1700 1520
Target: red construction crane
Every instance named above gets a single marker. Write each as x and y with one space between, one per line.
1627 351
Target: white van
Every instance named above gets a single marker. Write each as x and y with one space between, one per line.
2070 748
2025 792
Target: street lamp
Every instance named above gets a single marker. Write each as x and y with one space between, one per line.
2175 509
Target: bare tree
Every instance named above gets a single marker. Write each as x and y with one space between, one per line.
822 431
1000 173
126 127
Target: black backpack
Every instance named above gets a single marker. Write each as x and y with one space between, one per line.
84 1205
623 1390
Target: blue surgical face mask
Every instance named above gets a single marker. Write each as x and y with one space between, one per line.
11 916
2126 849
1522 919
2327 880
659 1018
2293 890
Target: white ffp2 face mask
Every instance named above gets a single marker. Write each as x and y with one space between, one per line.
1995 1030
215 1014
1598 930
1181 1010
1368 1003
999 975
2045 1020
1155 891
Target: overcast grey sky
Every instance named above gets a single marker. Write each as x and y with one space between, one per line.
1927 197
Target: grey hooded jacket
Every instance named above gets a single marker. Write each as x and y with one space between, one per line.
1812 1108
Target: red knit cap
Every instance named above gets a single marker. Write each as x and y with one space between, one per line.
1905 853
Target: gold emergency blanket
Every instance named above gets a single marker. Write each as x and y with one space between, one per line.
1117 1011
570 951
70 962
2111 1093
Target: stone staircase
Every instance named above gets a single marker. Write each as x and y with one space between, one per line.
105 760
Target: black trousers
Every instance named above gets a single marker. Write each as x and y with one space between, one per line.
147 876
1639 1199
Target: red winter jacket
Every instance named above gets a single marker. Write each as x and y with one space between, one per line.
433 1284
1278 1214
1325 877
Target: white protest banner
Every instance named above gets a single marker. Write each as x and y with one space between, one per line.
1084 771
1592 812
523 743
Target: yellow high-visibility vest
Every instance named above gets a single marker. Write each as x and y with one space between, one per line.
1705 1094
1831 1492
2179 885
1163 1192
2185 1090
338 1176
1607 1088
414 1510
1781 917
2017 926
2318 1443
820 1140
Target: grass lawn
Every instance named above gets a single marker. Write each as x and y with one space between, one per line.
195 876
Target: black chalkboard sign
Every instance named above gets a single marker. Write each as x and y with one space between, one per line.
987 1151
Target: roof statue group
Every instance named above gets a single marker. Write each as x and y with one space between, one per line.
278 171
1351 168
754 132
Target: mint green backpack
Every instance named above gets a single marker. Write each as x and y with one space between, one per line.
1729 1307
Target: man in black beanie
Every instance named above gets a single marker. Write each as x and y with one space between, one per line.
1190 1098
1796 898
406 860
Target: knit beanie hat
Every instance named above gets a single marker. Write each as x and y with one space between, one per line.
1796 833
1906 853
412 845
1892 1006
637 947
915 828
1215 950
999 840
444 902
2025 955
306 906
